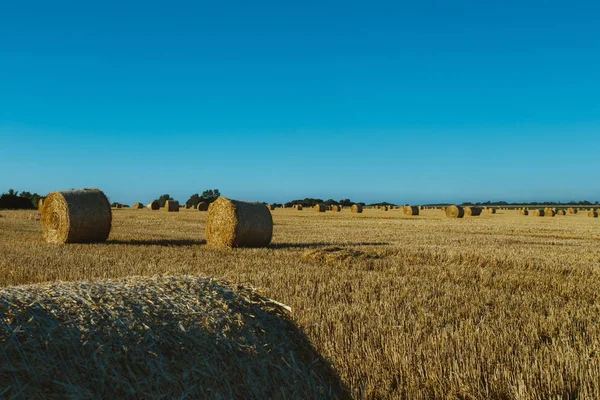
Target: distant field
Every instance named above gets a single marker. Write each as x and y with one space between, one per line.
496 306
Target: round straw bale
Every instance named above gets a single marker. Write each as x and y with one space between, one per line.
40 205
593 214
155 205
76 216
319 207
172 206
571 210
232 223
357 208
561 212
523 212
472 211
298 207
383 208
411 210
270 207
203 206
455 211
336 208
538 213
420 207
491 210
138 206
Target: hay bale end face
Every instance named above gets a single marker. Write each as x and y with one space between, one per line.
336 208
455 211
357 208
491 210
203 206
549 213
523 212
298 207
572 210
320 208
67 340
233 223
155 205
538 213
411 210
593 214
76 216
561 212
473 211
172 206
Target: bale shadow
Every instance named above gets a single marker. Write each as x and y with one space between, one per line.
317 245
158 242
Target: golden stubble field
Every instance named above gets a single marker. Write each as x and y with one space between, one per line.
497 306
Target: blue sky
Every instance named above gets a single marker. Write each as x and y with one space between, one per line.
407 102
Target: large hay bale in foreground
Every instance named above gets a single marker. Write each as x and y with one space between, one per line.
155 205
538 213
138 206
172 206
411 210
156 337
320 208
203 206
455 211
523 212
472 211
232 223
76 216
357 208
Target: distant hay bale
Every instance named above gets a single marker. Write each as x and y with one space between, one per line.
538 213
357 208
592 214
473 211
411 210
118 205
138 206
40 205
270 207
233 223
76 216
319 208
571 210
298 207
203 206
455 211
383 208
523 212
420 207
443 209
155 205
155 338
172 206
491 210
336 208
561 212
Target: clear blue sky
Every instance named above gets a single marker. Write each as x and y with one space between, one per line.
406 101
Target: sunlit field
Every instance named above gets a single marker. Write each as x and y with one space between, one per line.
496 306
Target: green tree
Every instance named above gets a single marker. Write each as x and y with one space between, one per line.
210 195
163 199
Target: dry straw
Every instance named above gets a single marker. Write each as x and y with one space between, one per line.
491 210
172 206
473 211
232 223
455 211
298 207
549 212
561 212
384 208
538 213
336 208
357 208
593 213
523 212
411 210
138 206
319 208
571 210
271 207
76 216
156 338
203 206
40 205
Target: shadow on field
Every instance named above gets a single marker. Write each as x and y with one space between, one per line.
323 244
158 242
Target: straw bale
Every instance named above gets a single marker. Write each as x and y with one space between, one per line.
155 205
76 216
319 208
523 212
233 223
172 206
473 211
336 208
203 206
357 208
455 211
491 210
138 206
538 213
411 210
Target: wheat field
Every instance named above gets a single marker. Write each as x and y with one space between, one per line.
497 306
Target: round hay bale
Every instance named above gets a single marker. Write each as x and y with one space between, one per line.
383 208
571 210
270 207
420 207
411 210
172 206
138 206
455 211
336 208
206 338
593 214
118 205
233 223
523 212
473 211
203 206
357 208
491 210
40 205
76 216
319 208
561 212
549 212
538 213
155 205
298 207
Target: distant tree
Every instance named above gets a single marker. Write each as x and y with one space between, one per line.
193 201
210 195
11 201
163 199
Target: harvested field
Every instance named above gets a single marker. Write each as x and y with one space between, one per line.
419 307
